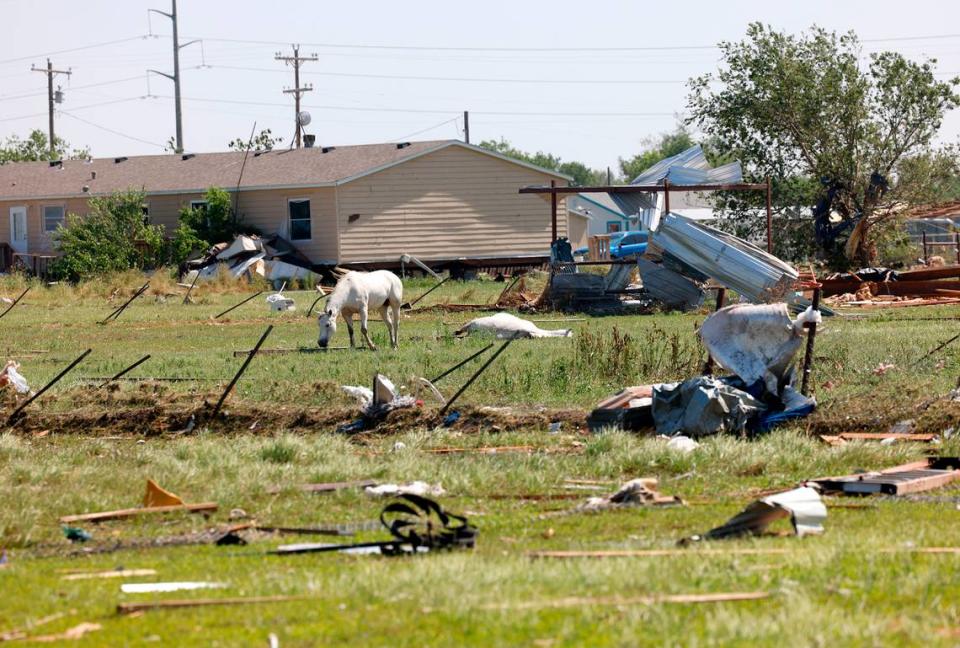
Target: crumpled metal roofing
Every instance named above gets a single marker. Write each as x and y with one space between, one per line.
686 168
697 250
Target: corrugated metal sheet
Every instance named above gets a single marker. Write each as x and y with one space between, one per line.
731 261
669 287
686 168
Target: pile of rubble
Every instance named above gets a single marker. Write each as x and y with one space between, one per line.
273 258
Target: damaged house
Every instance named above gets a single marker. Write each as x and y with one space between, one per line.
444 202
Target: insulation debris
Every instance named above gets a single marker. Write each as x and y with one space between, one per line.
636 492
10 375
802 505
419 488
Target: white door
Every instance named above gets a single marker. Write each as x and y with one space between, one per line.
18 229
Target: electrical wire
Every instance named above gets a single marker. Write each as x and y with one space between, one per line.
429 111
110 130
82 87
407 77
443 123
95 105
74 49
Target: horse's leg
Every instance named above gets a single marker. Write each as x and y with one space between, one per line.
385 316
363 327
348 318
395 328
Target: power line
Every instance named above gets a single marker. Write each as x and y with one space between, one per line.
110 130
443 123
408 77
436 48
95 105
82 87
427 111
73 49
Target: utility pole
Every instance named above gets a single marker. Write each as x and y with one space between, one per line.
175 77
466 126
50 72
296 61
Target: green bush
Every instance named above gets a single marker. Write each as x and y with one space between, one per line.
214 222
114 236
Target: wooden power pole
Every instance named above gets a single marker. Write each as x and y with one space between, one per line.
50 72
297 90
466 126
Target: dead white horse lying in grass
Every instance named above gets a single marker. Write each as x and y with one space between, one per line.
356 293
505 325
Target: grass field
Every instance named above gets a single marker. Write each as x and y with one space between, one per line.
80 449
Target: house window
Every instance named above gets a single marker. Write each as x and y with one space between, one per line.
198 204
614 226
300 229
145 210
52 217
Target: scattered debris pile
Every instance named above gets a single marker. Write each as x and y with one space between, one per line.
636 492
757 343
376 403
273 258
873 287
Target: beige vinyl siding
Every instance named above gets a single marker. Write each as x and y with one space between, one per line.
451 203
264 209
577 229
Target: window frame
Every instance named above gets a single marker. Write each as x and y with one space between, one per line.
43 217
618 224
195 204
290 220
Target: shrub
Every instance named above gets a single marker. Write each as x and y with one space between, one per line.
114 236
215 221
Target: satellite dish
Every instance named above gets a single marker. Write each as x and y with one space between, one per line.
303 118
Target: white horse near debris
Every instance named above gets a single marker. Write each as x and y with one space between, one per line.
355 294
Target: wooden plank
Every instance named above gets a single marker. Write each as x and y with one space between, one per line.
653 599
204 507
127 608
112 573
881 436
656 553
327 487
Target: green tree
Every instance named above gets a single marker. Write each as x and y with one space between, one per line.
114 236
212 222
265 141
582 174
655 149
803 108
36 147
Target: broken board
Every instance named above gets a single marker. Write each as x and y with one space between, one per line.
914 477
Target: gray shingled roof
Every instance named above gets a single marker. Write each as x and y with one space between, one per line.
172 174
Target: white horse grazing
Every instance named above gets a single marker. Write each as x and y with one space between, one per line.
356 293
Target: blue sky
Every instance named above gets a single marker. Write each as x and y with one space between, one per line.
585 81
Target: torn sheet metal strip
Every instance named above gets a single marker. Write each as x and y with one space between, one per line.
802 505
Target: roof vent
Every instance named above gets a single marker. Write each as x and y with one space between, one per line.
327 149
403 145
258 153
188 156
56 163
93 175
118 160
309 140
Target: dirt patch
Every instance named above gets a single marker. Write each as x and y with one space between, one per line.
153 409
